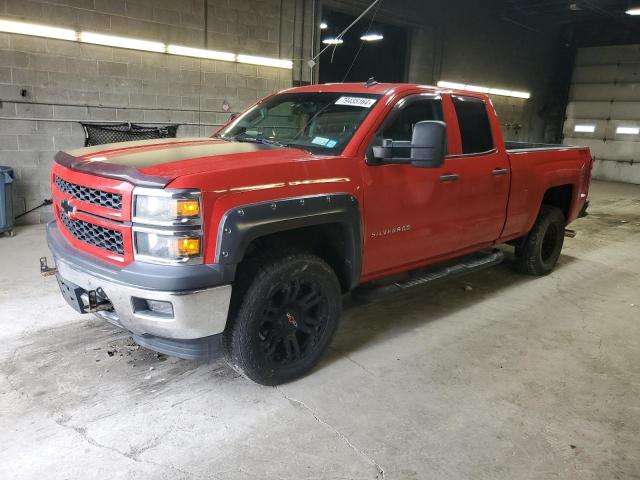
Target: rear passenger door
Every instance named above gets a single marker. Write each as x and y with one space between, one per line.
482 172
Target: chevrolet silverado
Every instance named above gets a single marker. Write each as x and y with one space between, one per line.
244 243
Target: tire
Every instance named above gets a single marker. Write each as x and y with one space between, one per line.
284 315
540 249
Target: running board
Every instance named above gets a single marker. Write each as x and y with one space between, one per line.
462 266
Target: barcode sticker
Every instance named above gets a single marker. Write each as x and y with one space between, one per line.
356 102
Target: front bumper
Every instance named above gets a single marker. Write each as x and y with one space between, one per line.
200 308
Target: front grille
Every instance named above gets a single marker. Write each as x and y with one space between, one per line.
90 195
105 238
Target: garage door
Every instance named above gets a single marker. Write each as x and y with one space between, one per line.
604 110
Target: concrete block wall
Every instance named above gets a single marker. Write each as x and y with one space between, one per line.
48 86
605 93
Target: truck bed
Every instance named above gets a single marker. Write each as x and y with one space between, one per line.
525 146
536 168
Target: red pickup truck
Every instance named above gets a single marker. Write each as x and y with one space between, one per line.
243 244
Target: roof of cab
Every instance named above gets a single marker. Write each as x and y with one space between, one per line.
376 88
380 89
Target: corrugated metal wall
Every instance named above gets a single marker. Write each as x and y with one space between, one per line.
605 94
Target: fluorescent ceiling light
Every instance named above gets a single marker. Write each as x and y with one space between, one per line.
333 41
457 86
480 89
32 29
324 26
265 61
45 31
371 37
633 11
584 128
121 42
475 88
499 91
628 131
200 53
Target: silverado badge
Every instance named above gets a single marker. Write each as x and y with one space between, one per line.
391 231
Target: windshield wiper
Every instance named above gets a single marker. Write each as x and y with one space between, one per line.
243 137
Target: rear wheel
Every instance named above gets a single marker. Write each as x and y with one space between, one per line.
285 314
540 250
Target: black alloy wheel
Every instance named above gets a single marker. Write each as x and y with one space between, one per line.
285 311
293 323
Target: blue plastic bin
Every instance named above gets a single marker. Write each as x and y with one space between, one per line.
6 200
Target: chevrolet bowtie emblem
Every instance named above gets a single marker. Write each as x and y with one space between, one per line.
68 208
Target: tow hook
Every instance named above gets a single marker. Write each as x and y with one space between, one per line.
46 270
570 233
95 305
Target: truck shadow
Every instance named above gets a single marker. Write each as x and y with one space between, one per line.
365 324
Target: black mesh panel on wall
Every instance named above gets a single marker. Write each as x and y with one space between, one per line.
99 134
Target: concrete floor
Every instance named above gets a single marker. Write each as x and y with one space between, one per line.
516 378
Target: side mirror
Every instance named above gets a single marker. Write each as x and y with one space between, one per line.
429 144
427 148
233 116
384 154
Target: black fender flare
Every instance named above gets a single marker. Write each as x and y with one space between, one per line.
243 224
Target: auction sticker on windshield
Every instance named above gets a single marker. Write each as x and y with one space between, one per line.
356 102
320 141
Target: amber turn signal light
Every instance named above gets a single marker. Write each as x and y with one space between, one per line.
188 247
187 208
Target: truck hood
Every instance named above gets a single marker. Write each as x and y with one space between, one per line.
155 163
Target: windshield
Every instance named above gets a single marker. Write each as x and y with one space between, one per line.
322 123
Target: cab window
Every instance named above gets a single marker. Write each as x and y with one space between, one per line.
401 122
475 128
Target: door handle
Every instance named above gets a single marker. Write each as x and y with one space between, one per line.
500 171
449 177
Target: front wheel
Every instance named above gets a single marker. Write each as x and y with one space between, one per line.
540 250
285 318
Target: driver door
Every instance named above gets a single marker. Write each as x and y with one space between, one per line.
410 212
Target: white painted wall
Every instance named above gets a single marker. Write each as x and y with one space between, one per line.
605 92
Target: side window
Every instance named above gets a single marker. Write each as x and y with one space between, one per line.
401 127
475 128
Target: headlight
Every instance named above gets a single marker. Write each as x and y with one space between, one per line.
167 226
170 247
166 207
